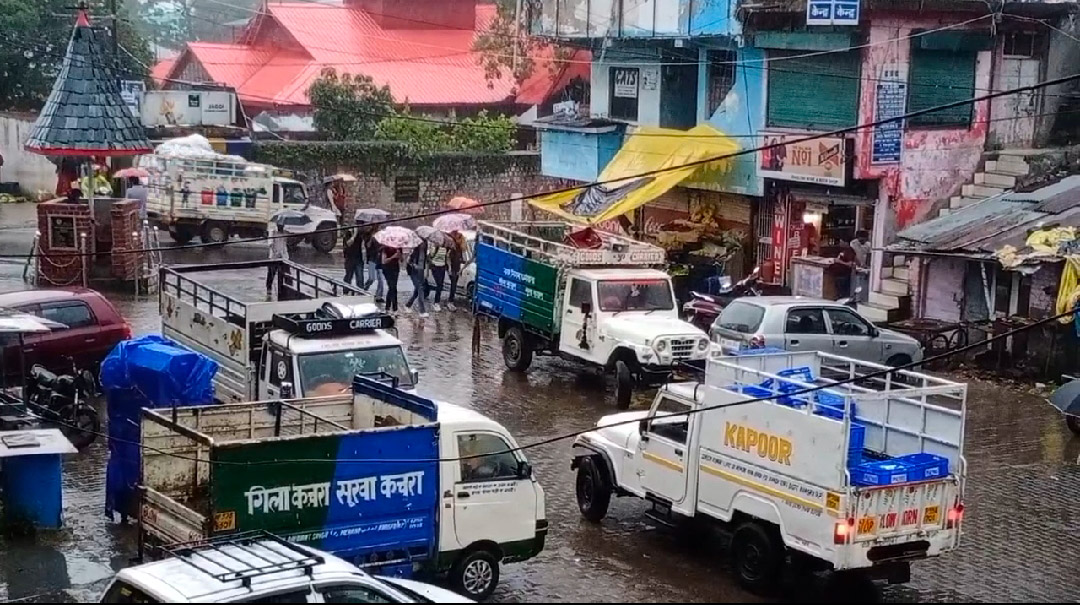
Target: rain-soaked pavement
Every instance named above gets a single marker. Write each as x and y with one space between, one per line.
1022 524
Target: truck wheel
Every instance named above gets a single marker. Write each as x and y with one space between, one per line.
214 232
757 556
182 235
1073 422
517 354
476 575
470 290
593 490
624 385
326 240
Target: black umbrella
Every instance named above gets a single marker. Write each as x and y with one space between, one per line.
290 218
1067 398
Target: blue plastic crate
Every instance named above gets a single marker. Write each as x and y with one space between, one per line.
925 467
883 472
856 444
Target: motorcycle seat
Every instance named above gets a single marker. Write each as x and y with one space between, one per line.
42 377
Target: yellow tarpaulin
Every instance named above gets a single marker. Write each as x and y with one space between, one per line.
646 150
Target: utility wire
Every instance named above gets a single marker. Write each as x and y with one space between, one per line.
701 162
884 372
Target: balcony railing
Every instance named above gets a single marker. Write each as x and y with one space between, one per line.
632 18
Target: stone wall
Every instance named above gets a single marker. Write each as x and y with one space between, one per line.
33 173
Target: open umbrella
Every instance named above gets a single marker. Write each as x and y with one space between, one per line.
133 172
371 215
395 236
346 178
290 218
448 223
465 204
434 236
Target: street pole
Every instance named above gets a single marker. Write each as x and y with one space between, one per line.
115 33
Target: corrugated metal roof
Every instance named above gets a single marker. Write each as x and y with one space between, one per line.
986 226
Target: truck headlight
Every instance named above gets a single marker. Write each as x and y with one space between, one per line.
703 344
660 346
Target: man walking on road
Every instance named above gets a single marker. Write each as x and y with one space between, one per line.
417 270
354 258
279 251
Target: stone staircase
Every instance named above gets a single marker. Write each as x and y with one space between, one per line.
892 302
997 176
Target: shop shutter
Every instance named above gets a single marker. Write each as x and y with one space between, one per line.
816 93
938 77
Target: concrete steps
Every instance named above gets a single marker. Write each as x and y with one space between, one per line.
957 202
1010 167
1006 181
896 287
981 191
878 314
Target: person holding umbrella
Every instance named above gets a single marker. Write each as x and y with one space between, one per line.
354 256
417 269
456 256
392 239
374 264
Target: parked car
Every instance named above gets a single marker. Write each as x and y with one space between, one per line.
265 569
795 323
94 326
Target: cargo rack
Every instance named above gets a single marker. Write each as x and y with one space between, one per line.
319 324
541 241
272 553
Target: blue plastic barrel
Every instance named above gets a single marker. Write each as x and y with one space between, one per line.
33 491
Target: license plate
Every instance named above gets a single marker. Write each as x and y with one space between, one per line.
727 344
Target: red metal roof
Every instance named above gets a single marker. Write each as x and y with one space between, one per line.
162 69
547 79
296 41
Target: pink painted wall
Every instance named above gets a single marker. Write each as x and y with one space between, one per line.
935 162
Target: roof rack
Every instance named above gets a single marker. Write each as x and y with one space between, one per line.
266 554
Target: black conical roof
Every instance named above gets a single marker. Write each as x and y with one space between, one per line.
85 114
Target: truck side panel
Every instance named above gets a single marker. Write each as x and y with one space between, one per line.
512 286
197 190
385 503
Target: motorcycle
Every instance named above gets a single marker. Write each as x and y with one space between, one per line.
63 400
703 309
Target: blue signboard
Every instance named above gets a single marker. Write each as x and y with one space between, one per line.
832 12
891 101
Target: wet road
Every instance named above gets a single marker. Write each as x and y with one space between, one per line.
1022 522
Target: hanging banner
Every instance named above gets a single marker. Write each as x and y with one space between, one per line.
819 161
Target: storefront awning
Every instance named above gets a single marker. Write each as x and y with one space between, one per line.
647 150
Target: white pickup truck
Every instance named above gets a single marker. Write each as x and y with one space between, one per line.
860 478
310 342
194 191
585 295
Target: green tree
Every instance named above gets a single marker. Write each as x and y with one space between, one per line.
348 107
33 39
506 48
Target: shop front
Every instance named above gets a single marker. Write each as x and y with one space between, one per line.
812 243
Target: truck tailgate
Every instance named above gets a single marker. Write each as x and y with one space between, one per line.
359 495
895 511
168 520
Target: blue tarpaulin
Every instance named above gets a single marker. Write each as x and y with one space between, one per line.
147 372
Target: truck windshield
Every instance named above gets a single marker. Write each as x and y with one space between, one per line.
635 295
332 372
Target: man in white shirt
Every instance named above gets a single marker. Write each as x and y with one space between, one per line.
279 250
861 246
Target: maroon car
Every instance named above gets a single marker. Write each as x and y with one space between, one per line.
93 328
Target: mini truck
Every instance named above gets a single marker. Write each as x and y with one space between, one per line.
310 342
357 475
858 478
604 306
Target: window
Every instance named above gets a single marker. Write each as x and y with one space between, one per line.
293 193
1020 44
673 428
635 295
332 372
720 79
741 317
281 597
72 315
818 93
847 323
122 592
493 461
354 594
938 77
580 292
623 102
806 321
407 189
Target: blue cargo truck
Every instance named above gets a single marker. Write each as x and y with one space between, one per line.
357 475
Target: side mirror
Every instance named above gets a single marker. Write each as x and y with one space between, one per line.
586 308
643 426
524 470
415 375
874 332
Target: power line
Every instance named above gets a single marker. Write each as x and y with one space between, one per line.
885 372
701 162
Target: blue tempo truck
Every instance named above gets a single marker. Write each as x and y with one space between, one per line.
357 475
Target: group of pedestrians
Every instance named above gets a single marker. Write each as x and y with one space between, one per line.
382 266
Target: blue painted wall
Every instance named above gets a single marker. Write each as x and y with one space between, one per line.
578 156
742 113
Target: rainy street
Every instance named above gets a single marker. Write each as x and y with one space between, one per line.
1021 523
